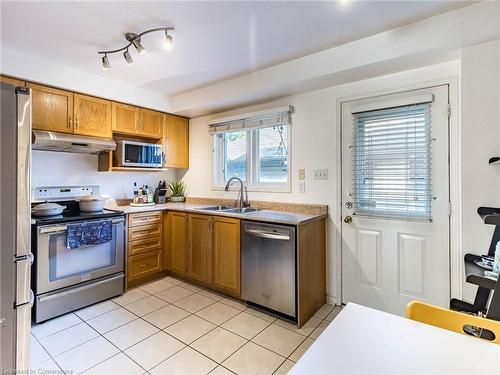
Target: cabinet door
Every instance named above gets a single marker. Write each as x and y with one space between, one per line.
176 141
176 242
151 123
12 81
92 116
52 109
125 118
200 248
226 254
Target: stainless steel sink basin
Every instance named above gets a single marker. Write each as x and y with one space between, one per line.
216 208
242 210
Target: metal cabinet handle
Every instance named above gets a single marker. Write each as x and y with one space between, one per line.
348 220
70 121
270 235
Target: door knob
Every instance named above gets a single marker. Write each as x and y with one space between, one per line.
348 220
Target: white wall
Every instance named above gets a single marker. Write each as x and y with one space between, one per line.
314 146
58 168
480 141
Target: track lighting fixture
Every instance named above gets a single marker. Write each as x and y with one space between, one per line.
135 40
128 58
105 62
169 41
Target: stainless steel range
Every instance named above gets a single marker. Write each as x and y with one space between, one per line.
66 279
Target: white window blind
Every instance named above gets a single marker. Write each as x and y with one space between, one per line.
392 162
277 117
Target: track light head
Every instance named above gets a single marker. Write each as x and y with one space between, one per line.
128 58
168 40
105 62
136 41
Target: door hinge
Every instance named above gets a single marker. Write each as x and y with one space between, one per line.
449 208
449 110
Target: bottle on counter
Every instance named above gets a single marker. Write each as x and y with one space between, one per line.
135 199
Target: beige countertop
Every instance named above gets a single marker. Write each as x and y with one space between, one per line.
263 215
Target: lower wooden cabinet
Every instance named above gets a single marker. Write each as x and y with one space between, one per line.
200 248
143 265
176 242
226 254
204 248
145 245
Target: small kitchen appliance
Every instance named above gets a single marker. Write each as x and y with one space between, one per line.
138 154
66 278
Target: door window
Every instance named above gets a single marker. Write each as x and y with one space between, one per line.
392 169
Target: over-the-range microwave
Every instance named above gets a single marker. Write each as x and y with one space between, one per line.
138 154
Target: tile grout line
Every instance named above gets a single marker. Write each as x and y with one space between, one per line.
214 301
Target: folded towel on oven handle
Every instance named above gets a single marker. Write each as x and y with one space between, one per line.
89 233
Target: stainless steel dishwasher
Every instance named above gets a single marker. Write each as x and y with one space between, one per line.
268 266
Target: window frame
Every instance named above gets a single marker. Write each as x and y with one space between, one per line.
252 148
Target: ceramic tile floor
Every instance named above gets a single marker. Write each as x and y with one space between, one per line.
172 327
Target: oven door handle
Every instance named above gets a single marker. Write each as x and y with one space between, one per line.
63 228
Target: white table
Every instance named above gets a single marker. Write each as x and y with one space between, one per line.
361 340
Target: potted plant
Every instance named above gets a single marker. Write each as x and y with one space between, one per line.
177 191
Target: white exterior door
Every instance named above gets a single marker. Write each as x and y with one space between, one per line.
395 200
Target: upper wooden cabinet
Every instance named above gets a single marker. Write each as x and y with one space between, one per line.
52 109
125 118
176 141
226 254
176 242
92 116
12 81
200 248
151 123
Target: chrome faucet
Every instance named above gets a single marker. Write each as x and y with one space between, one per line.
243 201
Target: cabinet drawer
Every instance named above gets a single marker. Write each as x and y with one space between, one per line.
145 245
144 232
142 218
143 265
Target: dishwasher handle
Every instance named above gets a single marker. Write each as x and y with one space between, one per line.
266 234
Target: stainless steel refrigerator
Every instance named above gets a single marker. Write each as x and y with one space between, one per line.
16 297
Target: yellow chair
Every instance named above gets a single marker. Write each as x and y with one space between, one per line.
449 319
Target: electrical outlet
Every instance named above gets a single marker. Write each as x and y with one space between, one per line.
302 186
302 174
321 174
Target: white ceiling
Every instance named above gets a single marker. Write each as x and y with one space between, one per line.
213 41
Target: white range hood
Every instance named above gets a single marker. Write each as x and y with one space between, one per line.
52 141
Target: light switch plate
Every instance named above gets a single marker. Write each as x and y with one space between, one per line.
321 174
302 174
302 186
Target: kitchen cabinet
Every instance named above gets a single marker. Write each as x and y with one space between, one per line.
92 116
12 81
204 248
176 242
226 254
143 265
150 123
176 141
200 248
145 246
124 118
52 109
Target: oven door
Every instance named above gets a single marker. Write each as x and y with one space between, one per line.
58 267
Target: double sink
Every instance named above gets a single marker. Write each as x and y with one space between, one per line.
229 209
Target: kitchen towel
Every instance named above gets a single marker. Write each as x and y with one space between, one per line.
91 233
